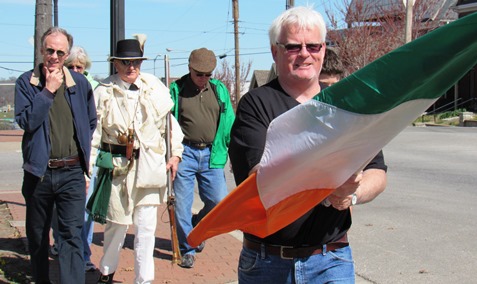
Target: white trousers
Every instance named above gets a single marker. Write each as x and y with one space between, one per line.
144 221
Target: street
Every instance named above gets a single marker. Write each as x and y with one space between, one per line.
11 172
420 230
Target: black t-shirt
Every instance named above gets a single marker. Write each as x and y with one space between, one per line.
255 111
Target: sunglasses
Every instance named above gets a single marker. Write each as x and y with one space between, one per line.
200 74
295 48
51 51
134 63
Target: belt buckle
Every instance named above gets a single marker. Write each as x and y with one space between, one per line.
200 146
50 163
281 252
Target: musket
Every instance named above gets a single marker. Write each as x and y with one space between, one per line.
171 199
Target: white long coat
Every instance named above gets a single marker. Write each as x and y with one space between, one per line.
147 115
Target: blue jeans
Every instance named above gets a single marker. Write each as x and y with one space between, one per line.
88 228
65 188
212 189
328 267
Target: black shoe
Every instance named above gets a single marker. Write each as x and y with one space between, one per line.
195 220
108 279
187 261
89 267
200 248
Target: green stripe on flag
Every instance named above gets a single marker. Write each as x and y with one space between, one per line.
422 69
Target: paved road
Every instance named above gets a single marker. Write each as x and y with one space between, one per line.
422 229
11 172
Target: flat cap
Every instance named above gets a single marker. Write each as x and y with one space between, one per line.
202 60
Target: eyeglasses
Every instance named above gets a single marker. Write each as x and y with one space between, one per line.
200 74
295 48
134 63
51 51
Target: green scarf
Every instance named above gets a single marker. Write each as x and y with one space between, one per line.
98 203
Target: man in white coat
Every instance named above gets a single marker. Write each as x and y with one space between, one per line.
132 108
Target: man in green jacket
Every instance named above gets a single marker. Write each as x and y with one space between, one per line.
203 108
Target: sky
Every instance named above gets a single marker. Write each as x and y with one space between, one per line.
172 27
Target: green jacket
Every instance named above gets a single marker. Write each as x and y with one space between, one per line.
91 80
219 151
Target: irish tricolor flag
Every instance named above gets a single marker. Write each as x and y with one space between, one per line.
341 131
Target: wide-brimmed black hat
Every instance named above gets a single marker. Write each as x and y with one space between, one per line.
128 49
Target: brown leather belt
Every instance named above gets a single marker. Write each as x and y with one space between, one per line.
197 145
64 162
118 149
288 252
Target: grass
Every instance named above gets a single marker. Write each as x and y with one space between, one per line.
6 119
449 118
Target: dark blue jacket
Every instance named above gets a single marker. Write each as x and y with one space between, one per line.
32 104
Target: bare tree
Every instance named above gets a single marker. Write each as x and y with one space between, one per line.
376 27
226 74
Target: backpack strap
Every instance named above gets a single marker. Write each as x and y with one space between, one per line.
221 104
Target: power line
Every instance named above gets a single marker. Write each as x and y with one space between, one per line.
9 69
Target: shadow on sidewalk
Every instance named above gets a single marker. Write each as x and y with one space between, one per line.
217 264
21 204
162 247
14 259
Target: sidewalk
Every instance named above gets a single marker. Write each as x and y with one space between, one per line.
217 263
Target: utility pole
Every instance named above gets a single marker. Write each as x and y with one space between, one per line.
42 23
237 62
289 4
117 28
166 70
409 4
55 12
154 63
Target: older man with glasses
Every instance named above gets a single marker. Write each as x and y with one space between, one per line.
55 107
132 109
314 248
78 61
205 113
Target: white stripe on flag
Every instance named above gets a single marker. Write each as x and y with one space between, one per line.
316 145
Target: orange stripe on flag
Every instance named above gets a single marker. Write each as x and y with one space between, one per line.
291 208
243 210
239 209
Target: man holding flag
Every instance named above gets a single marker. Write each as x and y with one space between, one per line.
313 147
314 248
